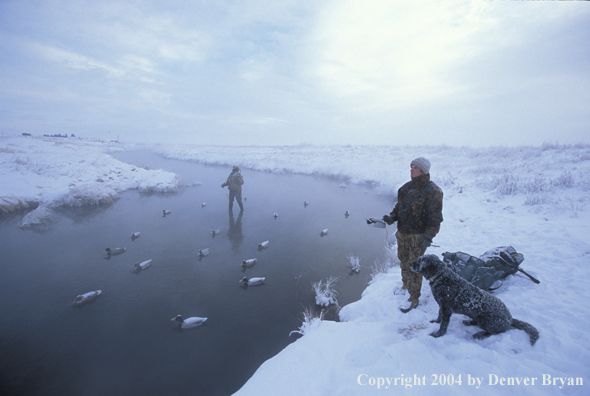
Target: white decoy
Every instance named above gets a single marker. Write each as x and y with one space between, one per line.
188 323
305 203
115 251
143 265
347 213
263 245
166 212
135 235
216 232
204 252
249 263
203 204
86 297
324 232
252 281
275 215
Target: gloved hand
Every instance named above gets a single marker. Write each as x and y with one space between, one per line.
388 219
425 242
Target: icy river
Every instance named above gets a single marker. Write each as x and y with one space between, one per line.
124 342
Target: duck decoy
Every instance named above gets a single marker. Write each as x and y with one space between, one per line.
324 232
275 215
248 263
143 265
305 203
87 297
188 323
216 232
263 245
203 204
166 212
115 251
252 281
135 235
204 252
346 214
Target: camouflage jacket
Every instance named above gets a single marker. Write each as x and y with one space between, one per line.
419 207
234 181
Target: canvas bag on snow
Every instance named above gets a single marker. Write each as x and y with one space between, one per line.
490 267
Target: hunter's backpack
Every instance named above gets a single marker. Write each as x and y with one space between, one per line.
483 272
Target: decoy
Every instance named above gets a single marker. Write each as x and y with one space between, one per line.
135 235
204 252
188 322
248 263
263 245
253 281
115 251
143 265
86 297
166 212
216 232
324 232
275 215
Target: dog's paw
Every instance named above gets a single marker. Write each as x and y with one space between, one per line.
481 335
437 334
435 321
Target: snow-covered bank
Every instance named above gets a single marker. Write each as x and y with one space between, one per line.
44 173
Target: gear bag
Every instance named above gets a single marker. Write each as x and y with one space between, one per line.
493 265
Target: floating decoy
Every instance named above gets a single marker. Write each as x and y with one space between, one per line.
253 281
188 322
263 245
343 185
305 203
275 215
143 265
135 235
347 213
115 251
203 204
166 212
204 252
216 232
86 297
324 232
248 263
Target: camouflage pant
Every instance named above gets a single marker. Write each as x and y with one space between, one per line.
408 251
237 194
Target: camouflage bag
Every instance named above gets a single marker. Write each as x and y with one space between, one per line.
493 265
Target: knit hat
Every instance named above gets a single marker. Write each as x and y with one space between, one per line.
423 164
235 169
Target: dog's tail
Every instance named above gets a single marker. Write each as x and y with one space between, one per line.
528 328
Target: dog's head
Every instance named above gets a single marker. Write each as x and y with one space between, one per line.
428 265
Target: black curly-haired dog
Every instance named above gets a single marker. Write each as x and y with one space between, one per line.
456 295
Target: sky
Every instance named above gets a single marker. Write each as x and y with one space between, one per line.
261 72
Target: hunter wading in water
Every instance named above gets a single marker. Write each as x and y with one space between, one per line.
418 213
234 184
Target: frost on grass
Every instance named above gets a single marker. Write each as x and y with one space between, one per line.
325 295
310 320
354 263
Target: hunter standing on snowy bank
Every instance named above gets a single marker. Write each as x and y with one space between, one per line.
234 182
418 213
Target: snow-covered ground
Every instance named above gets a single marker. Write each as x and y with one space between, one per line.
532 198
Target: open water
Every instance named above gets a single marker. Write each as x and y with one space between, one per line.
124 342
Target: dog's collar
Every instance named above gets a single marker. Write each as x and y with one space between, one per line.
435 277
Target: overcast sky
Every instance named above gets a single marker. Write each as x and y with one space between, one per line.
281 72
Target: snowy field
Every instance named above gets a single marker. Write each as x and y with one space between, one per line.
532 198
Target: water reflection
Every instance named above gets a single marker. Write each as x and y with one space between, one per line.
235 230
